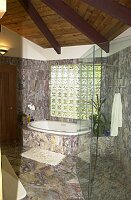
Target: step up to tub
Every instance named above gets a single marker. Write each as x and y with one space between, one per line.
12 187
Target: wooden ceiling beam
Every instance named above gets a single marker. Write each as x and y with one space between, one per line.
113 8
32 12
61 8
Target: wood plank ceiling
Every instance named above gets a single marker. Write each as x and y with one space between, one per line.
58 27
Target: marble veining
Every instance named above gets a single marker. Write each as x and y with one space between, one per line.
58 143
45 182
117 74
69 180
110 181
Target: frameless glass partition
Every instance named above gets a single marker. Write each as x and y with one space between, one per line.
97 129
89 94
86 70
102 159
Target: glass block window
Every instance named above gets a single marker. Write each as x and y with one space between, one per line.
86 89
71 89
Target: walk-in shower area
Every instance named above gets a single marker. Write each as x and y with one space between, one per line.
109 164
73 139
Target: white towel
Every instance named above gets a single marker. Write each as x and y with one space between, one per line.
116 116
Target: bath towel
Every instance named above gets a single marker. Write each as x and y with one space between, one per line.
116 116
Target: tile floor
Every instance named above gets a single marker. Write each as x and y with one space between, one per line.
45 182
70 179
110 180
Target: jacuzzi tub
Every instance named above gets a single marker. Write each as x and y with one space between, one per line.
60 137
59 128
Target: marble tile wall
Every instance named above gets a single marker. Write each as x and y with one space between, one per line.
106 146
32 86
117 72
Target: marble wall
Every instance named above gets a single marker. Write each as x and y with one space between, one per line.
32 86
117 78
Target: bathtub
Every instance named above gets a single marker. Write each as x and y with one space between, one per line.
60 137
59 128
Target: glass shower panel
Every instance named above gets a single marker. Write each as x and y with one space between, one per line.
84 122
90 83
108 158
105 157
96 99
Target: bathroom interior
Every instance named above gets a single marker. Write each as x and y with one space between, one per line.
64 118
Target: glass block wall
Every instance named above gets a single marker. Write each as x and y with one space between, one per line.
71 89
86 88
64 86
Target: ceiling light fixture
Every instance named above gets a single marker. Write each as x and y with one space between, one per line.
2 8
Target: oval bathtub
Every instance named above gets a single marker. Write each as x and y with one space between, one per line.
60 137
58 128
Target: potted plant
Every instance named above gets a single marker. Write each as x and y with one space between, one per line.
99 123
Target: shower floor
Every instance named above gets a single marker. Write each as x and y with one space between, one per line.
110 181
43 181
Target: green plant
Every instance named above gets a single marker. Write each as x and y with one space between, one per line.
98 119
99 123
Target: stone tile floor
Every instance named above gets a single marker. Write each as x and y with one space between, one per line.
45 182
110 180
